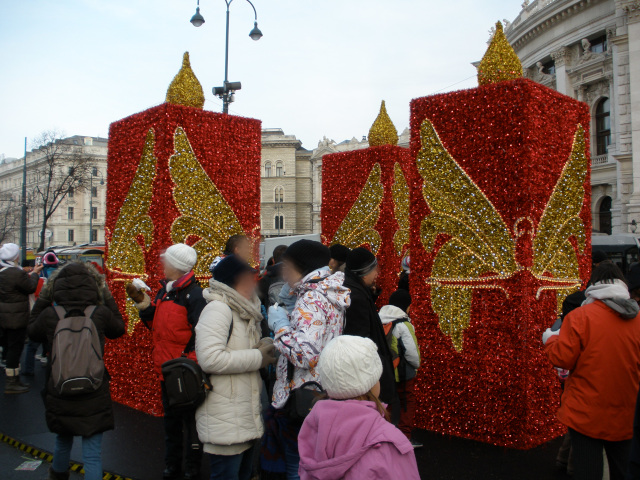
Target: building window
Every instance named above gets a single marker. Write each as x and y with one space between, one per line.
94 192
279 222
549 67
279 169
267 169
279 194
605 215
94 235
71 235
94 171
70 213
71 192
88 141
603 126
94 213
599 45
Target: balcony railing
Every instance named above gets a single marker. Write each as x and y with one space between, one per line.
529 9
599 160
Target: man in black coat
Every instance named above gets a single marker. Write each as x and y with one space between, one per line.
362 319
272 277
15 287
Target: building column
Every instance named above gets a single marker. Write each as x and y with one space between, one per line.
632 11
563 84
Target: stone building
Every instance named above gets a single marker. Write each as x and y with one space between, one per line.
69 224
286 190
590 50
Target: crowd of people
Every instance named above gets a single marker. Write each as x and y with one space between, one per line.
306 377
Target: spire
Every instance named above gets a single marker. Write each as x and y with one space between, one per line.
383 131
185 89
500 61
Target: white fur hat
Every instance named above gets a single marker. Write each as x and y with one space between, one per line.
181 257
349 367
9 252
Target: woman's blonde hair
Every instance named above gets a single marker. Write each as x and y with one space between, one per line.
367 397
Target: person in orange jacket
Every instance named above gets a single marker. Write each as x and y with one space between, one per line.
600 344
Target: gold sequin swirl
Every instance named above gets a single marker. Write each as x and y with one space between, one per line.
400 192
500 61
185 89
205 213
358 226
383 131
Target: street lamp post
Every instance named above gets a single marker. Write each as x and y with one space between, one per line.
227 91
91 204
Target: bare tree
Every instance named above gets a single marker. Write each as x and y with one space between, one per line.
61 169
9 216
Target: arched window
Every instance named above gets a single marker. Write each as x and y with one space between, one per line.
603 126
279 169
605 215
279 194
279 222
267 169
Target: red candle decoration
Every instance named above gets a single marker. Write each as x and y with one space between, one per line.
176 173
365 200
500 233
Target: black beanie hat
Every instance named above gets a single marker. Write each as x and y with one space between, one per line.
361 261
339 252
307 255
401 299
229 268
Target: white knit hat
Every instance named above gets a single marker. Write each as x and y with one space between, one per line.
181 257
9 252
349 367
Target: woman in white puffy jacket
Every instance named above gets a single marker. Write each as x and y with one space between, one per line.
230 351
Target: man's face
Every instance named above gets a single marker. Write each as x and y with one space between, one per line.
243 250
370 278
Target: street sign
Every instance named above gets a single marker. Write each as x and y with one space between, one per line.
47 233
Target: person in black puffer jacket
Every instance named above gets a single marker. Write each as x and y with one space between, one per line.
362 320
87 415
15 287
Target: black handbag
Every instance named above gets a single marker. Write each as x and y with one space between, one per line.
302 399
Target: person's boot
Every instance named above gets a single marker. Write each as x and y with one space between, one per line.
53 475
13 384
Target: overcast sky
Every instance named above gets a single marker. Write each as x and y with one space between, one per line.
321 68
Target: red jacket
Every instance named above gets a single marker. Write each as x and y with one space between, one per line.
171 317
602 350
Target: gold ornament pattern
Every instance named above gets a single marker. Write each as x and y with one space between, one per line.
400 192
126 255
500 61
205 213
358 226
481 251
383 131
185 89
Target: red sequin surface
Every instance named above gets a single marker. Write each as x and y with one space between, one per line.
228 148
513 139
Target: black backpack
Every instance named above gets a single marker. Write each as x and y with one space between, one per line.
185 383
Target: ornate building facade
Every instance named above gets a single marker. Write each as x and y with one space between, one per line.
590 50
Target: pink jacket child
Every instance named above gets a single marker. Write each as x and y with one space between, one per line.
350 440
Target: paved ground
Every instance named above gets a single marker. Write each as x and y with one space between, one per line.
135 448
11 458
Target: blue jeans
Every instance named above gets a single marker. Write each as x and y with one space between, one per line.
292 457
232 467
91 455
30 357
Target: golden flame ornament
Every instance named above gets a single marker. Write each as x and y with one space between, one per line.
383 131
185 89
481 252
400 192
205 212
358 227
500 61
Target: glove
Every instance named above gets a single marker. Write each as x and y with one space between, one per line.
268 353
548 333
278 318
135 294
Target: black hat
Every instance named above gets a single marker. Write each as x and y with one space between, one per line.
229 268
361 261
598 256
633 277
339 252
401 299
307 255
